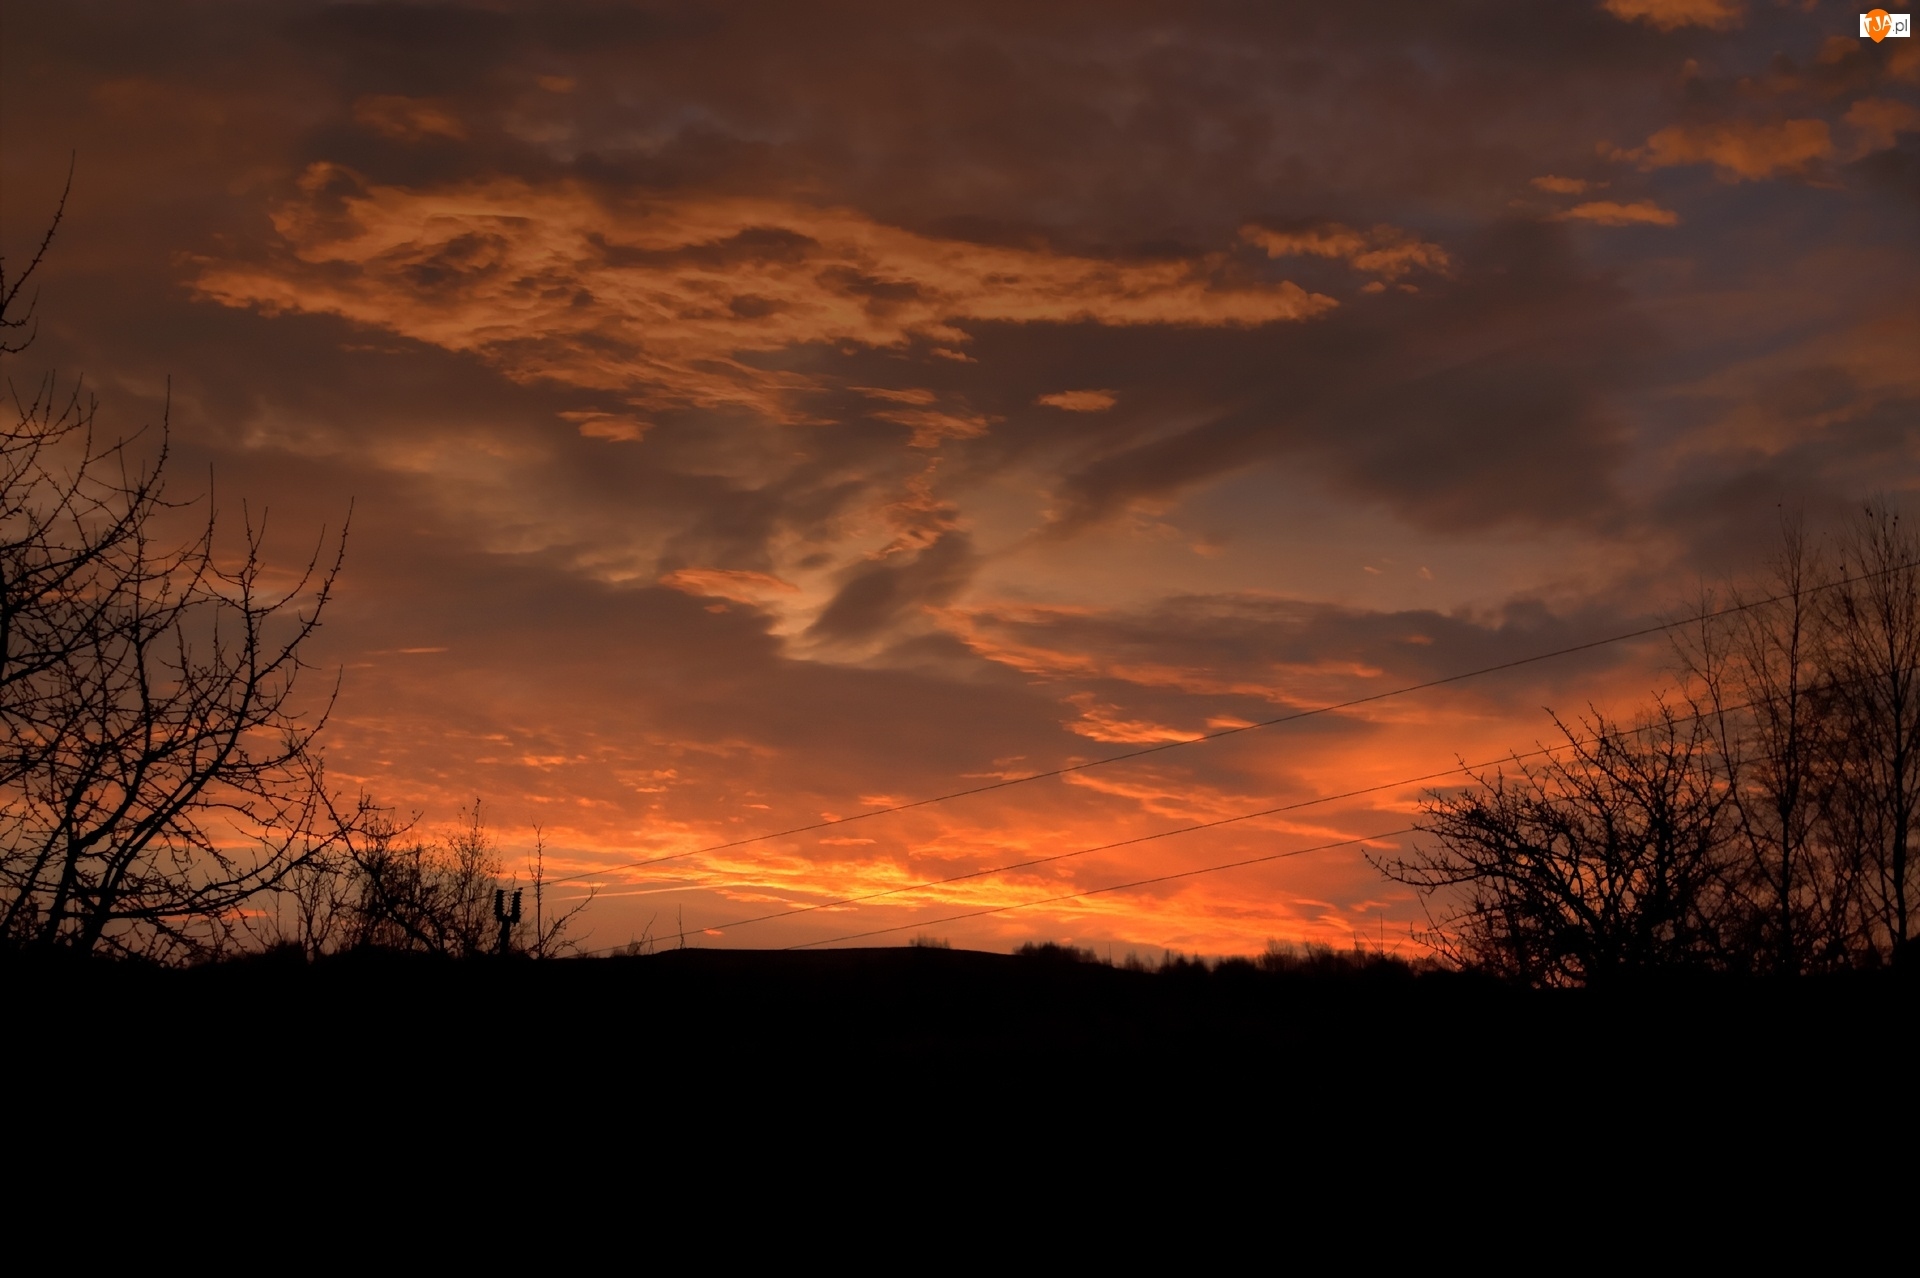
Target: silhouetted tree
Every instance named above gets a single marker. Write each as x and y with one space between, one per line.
386 888
549 938
1874 618
1769 830
155 770
1602 862
1758 670
421 895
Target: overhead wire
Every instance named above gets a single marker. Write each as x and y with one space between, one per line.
1295 806
1229 865
1100 891
1463 768
1293 717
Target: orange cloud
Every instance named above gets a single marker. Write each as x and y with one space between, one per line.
907 395
657 299
1079 401
1386 251
1101 722
407 119
598 425
1877 121
727 583
1564 185
1739 149
930 426
1668 15
1609 213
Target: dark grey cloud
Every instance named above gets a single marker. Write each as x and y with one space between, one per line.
1481 401
874 597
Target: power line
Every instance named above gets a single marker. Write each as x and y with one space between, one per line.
1293 717
1469 768
1122 843
1114 887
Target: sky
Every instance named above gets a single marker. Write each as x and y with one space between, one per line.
752 415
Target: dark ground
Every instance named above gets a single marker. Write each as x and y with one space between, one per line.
697 1015
994 1077
952 1100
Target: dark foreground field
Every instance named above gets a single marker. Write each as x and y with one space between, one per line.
920 1018
1029 1086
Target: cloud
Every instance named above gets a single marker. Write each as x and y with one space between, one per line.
1669 15
1079 401
595 424
1903 64
1160 672
1610 213
1879 122
930 427
1740 150
1101 722
727 583
919 395
406 119
1564 185
875 598
1385 251
1473 404
664 300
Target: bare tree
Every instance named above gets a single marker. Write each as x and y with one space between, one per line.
1875 619
311 905
549 937
1757 671
1602 862
156 767
422 895
1770 829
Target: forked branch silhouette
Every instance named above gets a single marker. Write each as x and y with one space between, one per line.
158 765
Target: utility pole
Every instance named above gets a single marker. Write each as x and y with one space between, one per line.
505 916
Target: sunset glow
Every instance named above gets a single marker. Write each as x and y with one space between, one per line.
754 415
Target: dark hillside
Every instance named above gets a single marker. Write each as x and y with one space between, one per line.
915 1018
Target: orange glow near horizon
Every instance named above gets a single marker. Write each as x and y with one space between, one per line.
584 804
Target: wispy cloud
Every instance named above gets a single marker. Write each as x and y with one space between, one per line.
1739 150
663 300
1669 15
1079 401
1612 213
1386 251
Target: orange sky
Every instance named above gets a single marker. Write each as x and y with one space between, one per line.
752 417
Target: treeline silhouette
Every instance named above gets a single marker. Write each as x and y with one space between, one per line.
1758 820
385 887
1279 959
